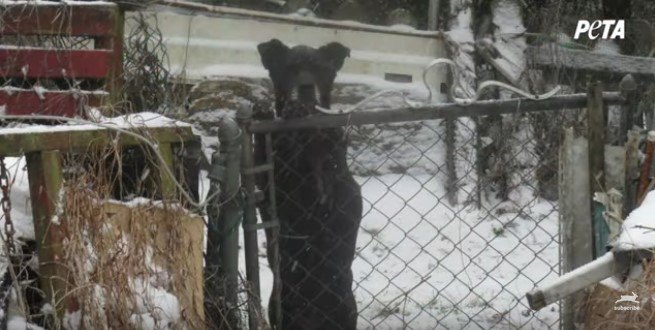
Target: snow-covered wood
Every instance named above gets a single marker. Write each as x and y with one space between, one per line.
54 63
17 141
50 17
15 101
552 56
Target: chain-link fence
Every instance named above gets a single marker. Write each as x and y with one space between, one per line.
459 219
423 261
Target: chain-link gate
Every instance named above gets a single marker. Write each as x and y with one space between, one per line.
459 214
425 262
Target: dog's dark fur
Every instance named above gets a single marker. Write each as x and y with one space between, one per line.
26 281
319 203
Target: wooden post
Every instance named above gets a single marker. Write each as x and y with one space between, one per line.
45 181
433 15
575 221
167 185
114 42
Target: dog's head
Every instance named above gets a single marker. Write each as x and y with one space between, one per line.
302 69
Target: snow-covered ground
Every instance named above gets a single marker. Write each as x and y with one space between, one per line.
423 264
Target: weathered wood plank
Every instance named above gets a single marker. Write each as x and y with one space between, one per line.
167 186
45 181
67 104
114 42
14 143
54 63
575 221
57 19
553 56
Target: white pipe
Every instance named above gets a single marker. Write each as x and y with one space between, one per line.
441 61
575 280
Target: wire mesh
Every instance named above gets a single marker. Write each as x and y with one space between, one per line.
437 245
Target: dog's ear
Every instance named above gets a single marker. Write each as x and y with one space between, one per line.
273 53
335 54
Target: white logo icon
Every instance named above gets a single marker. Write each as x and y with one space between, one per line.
632 298
616 27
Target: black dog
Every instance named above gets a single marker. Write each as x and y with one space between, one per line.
319 203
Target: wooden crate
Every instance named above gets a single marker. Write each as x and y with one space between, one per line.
22 65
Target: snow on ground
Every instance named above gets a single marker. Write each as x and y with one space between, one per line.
21 208
461 267
465 268
156 307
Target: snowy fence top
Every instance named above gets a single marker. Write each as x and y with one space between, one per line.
15 141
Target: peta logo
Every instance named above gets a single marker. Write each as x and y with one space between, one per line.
611 29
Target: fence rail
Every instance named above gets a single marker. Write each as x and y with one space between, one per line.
449 110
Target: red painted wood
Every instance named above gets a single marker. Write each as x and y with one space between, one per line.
46 63
26 102
57 19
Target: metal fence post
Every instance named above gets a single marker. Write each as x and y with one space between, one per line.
224 216
596 135
244 118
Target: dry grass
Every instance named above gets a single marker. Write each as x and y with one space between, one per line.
600 312
118 261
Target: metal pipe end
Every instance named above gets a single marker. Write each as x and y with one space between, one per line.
536 299
244 113
628 84
228 131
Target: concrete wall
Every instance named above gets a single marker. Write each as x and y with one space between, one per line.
222 41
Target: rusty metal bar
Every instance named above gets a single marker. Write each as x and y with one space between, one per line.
224 214
273 243
244 118
449 110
